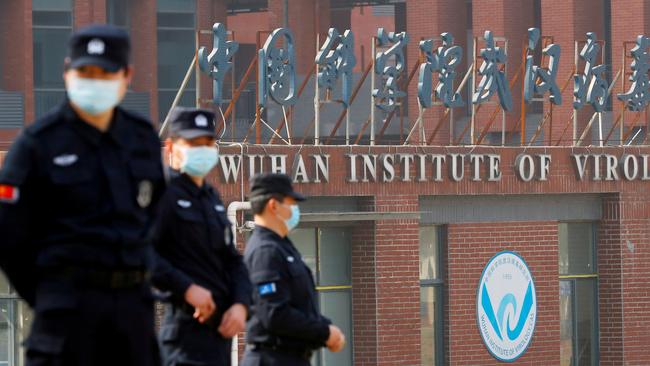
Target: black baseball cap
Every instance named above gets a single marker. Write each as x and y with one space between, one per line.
190 123
102 45
265 184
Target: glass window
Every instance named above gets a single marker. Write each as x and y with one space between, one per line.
578 294
15 322
176 6
576 248
429 253
566 323
335 261
52 25
176 48
337 306
431 292
117 13
305 242
327 252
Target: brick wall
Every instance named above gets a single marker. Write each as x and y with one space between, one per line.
306 19
470 247
364 293
398 287
427 19
89 12
635 272
385 257
610 290
17 53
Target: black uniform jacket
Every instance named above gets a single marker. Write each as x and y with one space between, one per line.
284 310
73 196
194 241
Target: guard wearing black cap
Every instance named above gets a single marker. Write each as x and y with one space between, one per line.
199 264
285 326
79 188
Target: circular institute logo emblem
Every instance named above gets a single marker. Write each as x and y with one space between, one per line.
506 306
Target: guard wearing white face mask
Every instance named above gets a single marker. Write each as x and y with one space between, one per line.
285 327
80 188
198 263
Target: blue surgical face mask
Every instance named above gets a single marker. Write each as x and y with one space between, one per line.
293 221
93 96
198 160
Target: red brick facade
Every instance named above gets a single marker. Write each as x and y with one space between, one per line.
385 256
470 247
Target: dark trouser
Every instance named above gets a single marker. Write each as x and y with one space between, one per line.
266 357
185 341
96 328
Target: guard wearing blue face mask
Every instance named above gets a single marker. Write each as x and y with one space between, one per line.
198 262
285 327
81 186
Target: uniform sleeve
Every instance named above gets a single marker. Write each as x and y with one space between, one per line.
271 294
17 190
165 276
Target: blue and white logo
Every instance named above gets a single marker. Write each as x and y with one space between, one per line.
506 306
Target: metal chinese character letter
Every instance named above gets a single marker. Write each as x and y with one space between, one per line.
217 63
444 62
637 98
539 80
590 87
493 79
427 68
277 73
389 91
449 57
337 62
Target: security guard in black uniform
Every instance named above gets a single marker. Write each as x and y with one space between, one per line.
285 326
79 189
199 263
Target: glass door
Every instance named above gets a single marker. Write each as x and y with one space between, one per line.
327 252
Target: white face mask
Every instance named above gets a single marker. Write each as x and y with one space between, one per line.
94 96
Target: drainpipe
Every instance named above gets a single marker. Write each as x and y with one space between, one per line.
233 207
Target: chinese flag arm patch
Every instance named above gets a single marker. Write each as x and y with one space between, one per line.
8 193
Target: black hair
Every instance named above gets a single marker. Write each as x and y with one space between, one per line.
258 204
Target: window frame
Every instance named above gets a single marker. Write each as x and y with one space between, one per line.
191 87
592 278
316 230
438 284
41 91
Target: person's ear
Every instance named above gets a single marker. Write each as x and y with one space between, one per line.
128 74
273 205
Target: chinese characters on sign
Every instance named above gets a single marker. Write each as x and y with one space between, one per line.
389 64
590 86
636 99
493 78
444 61
539 80
337 62
277 70
217 63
